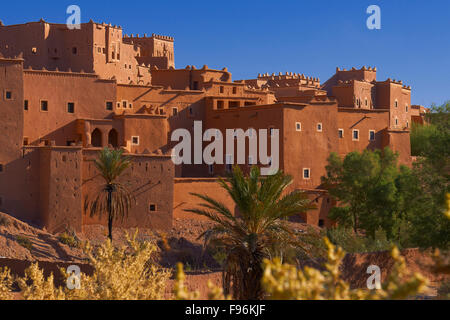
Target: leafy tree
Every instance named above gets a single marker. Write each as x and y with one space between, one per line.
263 207
113 198
432 172
370 190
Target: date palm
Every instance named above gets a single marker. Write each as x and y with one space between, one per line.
261 222
113 198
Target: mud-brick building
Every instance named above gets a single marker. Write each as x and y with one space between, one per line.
65 94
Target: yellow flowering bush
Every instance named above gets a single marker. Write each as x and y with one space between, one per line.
286 282
6 282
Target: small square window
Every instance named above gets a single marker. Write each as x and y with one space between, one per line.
34 50
44 105
74 50
355 135
306 173
135 141
152 207
298 126
372 135
25 105
341 133
109 105
319 127
8 95
71 107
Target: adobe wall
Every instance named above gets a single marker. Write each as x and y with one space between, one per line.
364 121
87 91
11 82
182 199
60 185
309 148
52 44
149 179
256 117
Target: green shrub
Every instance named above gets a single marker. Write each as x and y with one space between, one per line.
345 238
69 240
24 242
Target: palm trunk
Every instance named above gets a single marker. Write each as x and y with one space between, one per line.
110 214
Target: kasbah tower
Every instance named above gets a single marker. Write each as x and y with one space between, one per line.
66 94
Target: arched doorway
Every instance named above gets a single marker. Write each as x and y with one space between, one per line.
97 138
113 138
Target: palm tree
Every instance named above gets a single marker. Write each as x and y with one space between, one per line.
113 197
260 223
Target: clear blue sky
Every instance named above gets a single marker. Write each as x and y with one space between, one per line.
311 37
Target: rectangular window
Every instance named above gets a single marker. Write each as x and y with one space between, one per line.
195 85
74 50
319 127
119 105
222 89
174 111
44 105
220 105
71 107
234 90
25 105
372 135
306 173
135 140
26 141
355 135
341 133
298 126
406 108
8 95
124 104
109 105
152 207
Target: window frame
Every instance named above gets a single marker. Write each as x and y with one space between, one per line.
40 105
68 107
297 124
353 135
339 133
321 127
309 173
138 140
370 135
